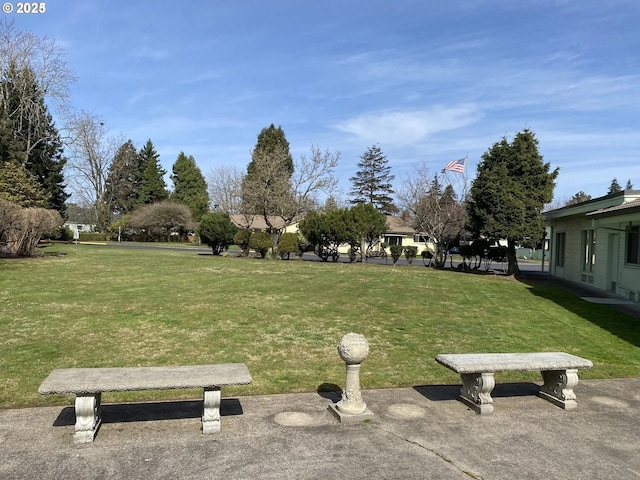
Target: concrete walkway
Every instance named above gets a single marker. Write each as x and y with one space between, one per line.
421 432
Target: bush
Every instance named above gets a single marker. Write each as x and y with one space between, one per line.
241 238
289 243
160 219
22 228
217 231
396 252
261 242
64 234
303 246
427 256
410 253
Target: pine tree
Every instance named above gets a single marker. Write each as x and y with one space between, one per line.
629 185
372 182
266 188
270 140
189 186
614 187
152 187
124 179
21 187
507 196
28 134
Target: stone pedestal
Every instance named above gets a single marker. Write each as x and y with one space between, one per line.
211 410
87 418
476 392
353 349
558 387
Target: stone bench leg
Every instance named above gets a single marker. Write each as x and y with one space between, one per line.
476 392
211 413
558 387
87 417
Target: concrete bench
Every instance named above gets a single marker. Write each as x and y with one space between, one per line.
559 373
87 384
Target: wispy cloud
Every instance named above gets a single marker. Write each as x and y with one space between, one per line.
408 127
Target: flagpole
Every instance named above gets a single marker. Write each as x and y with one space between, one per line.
464 192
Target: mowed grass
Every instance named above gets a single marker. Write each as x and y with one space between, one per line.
97 306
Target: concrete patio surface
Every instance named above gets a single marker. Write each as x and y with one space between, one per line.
421 432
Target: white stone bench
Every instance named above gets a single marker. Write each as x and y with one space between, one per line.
559 373
87 384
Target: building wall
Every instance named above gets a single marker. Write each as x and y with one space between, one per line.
610 272
572 228
621 277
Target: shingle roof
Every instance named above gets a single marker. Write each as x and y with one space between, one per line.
626 207
256 222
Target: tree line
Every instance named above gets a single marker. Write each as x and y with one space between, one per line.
126 191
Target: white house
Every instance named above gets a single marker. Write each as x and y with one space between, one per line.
597 242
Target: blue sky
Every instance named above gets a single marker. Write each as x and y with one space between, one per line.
429 81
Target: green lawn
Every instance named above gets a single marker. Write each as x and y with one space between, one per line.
97 306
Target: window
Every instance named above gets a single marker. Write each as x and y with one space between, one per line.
560 243
393 240
588 250
633 245
420 239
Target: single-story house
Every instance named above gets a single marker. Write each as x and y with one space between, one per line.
398 231
257 223
597 242
78 228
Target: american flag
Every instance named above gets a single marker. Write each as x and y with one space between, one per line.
455 166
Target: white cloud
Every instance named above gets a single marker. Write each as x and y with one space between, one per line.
408 127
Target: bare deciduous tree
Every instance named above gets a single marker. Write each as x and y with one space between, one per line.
90 155
312 176
43 56
434 211
269 193
225 188
35 68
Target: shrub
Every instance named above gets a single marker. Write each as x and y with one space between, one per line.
396 251
64 234
162 218
241 238
217 231
22 228
427 256
410 253
303 246
289 243
261 242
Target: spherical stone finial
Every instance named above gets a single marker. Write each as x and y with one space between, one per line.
353 348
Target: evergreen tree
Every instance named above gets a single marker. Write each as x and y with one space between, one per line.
21 187
217 230
614 187
507 196
266 188
372 182
189 186
28 134
629 185
124 179
153 187
270 140
578 198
